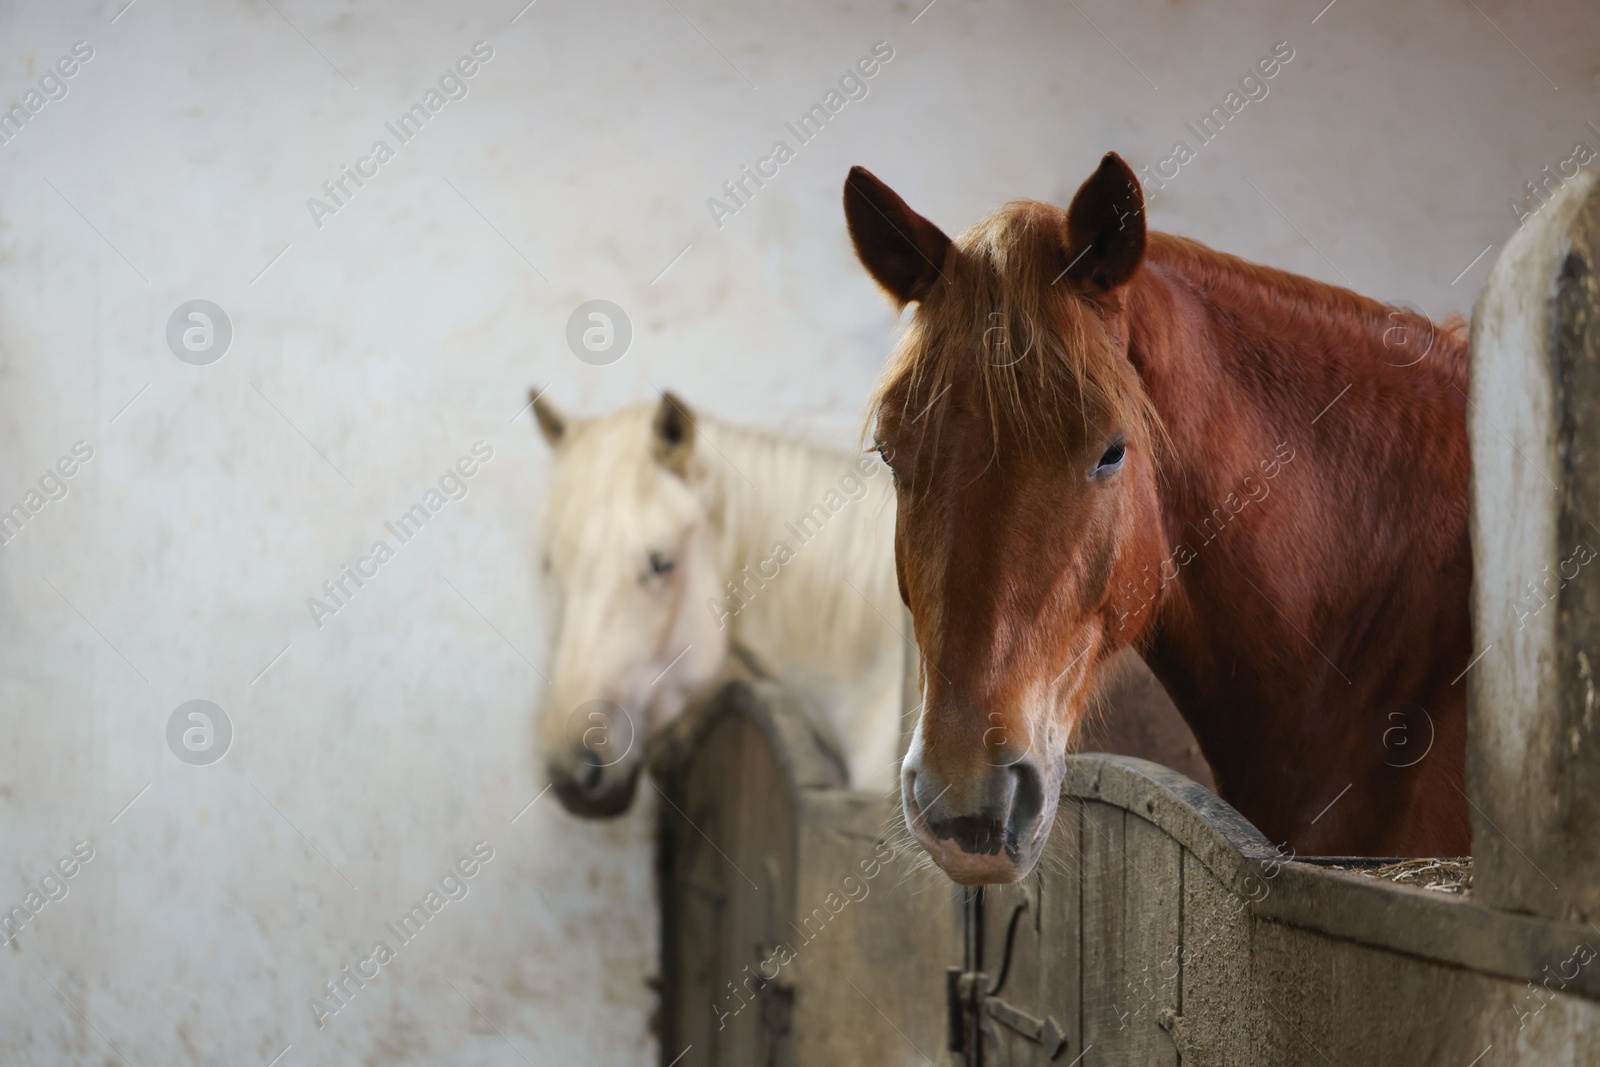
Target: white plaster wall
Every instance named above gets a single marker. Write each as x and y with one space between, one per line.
381 346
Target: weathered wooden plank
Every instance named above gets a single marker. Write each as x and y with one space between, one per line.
1060 989
1452 930
1310 988
1153 884
729 818
874 931
1216 1022
1533 729
1104 925
1411 1010
741 838
1201 821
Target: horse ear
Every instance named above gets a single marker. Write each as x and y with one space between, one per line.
673 434
1105 231
904 252
552 422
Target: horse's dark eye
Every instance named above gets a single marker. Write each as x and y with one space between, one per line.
661 565
1111 460
886 454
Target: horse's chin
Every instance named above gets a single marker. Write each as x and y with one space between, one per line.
607 803
966 868
963 868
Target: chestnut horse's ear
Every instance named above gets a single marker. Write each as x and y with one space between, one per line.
552 423
903 251
1105 226
673 434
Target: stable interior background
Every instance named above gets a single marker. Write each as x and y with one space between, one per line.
370 351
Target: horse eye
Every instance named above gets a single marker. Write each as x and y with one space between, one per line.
661 565
886 454
1111 460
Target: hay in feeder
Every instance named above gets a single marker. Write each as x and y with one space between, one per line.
1438 874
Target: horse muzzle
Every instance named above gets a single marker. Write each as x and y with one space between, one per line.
987 830
591 790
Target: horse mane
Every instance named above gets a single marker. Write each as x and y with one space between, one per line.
1007 275
1317 307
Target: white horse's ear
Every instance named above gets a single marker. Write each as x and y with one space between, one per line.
552 422
673 434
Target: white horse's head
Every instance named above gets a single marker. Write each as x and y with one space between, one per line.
632 556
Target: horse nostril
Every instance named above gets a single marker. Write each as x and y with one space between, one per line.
1026 804
595 772
999 813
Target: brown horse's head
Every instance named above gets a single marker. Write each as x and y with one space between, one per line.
1021 441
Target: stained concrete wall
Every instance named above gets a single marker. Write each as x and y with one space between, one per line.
371 351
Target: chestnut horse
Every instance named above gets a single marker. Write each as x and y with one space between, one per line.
1102 438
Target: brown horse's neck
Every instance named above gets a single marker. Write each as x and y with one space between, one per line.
1314 499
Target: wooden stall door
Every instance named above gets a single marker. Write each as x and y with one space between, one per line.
727 879
1080 963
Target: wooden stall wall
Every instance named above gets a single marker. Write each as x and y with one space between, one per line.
1164 929
1161 928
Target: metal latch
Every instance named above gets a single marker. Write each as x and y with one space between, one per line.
1046 1033
973 1005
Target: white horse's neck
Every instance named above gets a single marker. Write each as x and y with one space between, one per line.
806 541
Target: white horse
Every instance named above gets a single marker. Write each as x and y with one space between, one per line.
669 538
